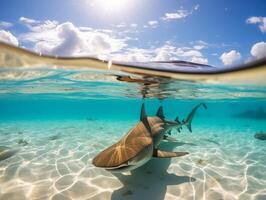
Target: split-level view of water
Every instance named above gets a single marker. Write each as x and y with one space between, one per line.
53 122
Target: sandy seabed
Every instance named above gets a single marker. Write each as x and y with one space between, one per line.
53 161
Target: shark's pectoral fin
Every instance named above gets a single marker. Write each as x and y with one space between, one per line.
167 154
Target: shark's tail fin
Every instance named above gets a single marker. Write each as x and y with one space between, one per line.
204 105
189 126
190 117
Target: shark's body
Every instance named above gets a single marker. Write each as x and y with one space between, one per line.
140 144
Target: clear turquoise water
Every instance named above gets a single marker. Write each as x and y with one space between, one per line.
58 120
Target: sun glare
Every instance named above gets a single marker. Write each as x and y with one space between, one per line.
111 5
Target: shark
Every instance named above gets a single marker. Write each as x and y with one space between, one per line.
141 143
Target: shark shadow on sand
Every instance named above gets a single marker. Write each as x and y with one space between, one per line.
150 181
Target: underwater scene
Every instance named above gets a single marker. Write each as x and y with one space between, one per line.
55 124
132 100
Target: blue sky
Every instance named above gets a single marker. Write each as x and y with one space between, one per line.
220 33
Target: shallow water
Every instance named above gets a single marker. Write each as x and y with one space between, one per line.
59 119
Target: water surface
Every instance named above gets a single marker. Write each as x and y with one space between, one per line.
57 119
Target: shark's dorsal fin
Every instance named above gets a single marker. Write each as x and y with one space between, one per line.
160 112
143 117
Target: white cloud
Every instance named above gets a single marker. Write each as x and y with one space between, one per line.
7 37
258 50
44 26
69 44
50 37
153 23
83 28
190 53
5 25
228 58
38 26
179 14
165 53
254 20
27 21
122 25
134 55
65 39
196 7
261 21
134 25
200 60
162 56
199 45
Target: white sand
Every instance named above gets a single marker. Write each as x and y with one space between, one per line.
224 163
